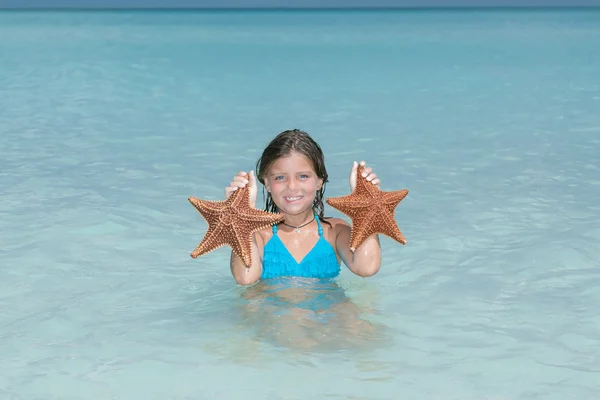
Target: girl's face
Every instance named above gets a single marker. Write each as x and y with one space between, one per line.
293 183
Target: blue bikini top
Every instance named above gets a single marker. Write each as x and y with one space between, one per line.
320 262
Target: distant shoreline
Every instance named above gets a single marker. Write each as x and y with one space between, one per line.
320 9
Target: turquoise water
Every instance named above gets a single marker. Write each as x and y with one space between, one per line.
110 120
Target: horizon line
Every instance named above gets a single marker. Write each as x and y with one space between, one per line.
280 8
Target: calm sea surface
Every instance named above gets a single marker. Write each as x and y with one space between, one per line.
110 120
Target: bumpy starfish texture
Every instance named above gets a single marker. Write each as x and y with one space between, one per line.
371 211
232 223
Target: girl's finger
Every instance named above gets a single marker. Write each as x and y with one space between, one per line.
239 182
229 191
372 176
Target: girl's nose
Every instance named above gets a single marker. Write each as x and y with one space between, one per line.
292 184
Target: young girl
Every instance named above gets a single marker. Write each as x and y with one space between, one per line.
305 244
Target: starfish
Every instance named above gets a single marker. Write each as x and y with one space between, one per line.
232 222
371 211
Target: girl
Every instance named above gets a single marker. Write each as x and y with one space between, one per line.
305 244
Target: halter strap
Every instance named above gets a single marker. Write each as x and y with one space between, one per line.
319 225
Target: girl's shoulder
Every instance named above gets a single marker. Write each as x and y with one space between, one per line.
335 225
263 235
335 221
332 227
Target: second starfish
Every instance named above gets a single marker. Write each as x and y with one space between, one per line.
371 211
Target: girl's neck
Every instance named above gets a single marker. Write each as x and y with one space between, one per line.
299 219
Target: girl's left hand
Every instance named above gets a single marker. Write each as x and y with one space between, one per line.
367 174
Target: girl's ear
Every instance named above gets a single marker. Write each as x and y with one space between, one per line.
319 184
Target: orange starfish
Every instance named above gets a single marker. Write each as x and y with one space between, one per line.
371 211
232 222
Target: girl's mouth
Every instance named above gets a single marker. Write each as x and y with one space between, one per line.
293 199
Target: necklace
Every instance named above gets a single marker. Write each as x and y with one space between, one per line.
297 228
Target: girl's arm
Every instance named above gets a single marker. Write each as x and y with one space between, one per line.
242 274
366 260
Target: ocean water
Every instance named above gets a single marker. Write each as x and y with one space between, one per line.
110 120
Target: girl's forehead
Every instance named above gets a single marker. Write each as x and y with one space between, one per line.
294 161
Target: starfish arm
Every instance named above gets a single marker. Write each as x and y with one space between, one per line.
241 242
208 209
261 217
211 240
350 206
240 199
389 227
392 199
364 227
370 189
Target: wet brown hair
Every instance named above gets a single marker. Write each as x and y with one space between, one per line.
284 144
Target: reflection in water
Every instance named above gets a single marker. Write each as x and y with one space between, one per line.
307 314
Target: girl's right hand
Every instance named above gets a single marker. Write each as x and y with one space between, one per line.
240 181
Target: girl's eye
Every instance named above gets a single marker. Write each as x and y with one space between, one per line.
304 176
279 177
